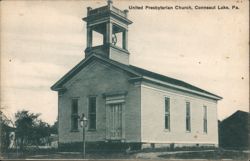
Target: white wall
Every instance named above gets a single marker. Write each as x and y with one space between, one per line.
96 79
152 117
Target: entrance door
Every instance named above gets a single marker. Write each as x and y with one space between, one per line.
115 121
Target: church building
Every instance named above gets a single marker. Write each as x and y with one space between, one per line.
128 104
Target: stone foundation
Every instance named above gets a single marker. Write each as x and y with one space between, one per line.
172 146
123 146
98 146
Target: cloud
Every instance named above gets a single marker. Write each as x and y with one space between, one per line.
18 74
38 17
26 85
43 102
30 31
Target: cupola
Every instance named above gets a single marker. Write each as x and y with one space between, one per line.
107 32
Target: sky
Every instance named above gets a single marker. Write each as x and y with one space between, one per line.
42 40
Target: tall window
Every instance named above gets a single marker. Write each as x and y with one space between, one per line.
92 113
167 113
188 117
205 119
74 114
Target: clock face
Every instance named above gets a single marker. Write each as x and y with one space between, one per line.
114 39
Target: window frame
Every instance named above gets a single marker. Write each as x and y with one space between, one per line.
91 114
188 116
74 115
167 114
205 122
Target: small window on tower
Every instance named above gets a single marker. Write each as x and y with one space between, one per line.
97 38
118 37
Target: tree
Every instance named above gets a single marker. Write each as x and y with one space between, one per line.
41 130
25 122
54 128
30 129
6 127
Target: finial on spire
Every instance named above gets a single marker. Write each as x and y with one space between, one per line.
110 2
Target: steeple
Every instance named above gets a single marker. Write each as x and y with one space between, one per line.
111 25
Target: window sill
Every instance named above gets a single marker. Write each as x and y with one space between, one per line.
74 130
188 131
91 130
166 130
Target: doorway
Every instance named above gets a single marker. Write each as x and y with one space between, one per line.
115 121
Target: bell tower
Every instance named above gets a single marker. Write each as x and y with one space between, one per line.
108 25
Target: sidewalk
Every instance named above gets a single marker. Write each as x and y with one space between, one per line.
204 154
155 155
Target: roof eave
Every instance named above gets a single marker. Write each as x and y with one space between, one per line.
214 97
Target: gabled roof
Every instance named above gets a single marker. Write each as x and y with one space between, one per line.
169 80
138 73
58 85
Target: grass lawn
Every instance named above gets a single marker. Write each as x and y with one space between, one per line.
69 155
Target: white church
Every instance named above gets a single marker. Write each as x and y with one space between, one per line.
128 104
